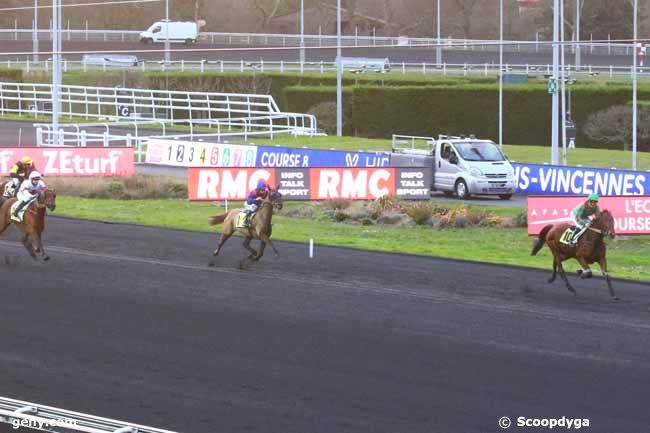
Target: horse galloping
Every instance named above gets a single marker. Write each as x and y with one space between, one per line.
589 249
33 222
260 227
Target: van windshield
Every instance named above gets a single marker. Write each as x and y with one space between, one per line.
479 151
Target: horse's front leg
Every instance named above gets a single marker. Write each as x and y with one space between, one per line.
602 262
247 245
39 247
28 245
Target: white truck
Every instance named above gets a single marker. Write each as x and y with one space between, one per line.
186 32
463 166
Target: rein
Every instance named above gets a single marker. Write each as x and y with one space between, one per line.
599 231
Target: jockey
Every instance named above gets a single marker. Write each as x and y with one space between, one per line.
18 173
254 199
29 190
581 215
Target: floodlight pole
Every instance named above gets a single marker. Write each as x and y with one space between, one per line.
578 59
56 68
634 88
501 74
339 73
438 46
302 35
555 105
35 33
167 47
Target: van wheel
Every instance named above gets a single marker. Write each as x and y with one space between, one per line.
461 189
505 196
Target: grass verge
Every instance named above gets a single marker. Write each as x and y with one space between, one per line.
627 256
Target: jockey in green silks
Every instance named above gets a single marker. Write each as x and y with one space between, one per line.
582 213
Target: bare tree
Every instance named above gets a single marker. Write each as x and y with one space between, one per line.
613 126
268 9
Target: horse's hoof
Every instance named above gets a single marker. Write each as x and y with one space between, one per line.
550 280
211 264
46 258
579 271
215 253
615 298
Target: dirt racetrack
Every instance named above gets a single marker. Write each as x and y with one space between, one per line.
128 322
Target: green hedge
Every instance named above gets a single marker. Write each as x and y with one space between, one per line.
464 109
11 75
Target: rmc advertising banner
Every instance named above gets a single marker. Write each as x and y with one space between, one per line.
533 179
72 161
631 214
324 183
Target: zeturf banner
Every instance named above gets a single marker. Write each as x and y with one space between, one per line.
196 153
296 157
72 161
631 214
311 183
533 179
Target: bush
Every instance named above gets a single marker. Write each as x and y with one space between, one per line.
420 212
340 216
521 220
387 203
115 189
612 127
460 222
337 204
325 113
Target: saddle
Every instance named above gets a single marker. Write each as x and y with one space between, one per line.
241 222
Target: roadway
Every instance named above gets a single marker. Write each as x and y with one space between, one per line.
127 322
207 51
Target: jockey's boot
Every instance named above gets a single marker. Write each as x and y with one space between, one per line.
20 206
247 221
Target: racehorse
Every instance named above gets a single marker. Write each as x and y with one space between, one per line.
33 222
589 249
260 227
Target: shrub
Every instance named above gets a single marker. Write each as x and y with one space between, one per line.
420 212
325 113
340 216
387 203
115 189
460 222
522 218
337 204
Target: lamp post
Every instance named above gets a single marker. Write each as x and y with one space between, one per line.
634 88
302 35
563 82
339 73
438 46
578 60
56 67
167 54
35 33
501 74
556 74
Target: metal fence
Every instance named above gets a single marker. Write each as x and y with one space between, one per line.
210 109
321 67
34 416
320 40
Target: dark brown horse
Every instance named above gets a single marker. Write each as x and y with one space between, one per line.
33 222
260 227
589 249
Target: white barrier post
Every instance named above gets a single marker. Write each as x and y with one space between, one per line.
311 248
39 136
83 138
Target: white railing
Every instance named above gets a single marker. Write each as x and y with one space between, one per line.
204 66
40 417
320 40
128 105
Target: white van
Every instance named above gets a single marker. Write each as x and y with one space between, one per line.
461 166
178 31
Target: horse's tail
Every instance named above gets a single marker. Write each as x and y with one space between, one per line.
217 219
541 239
